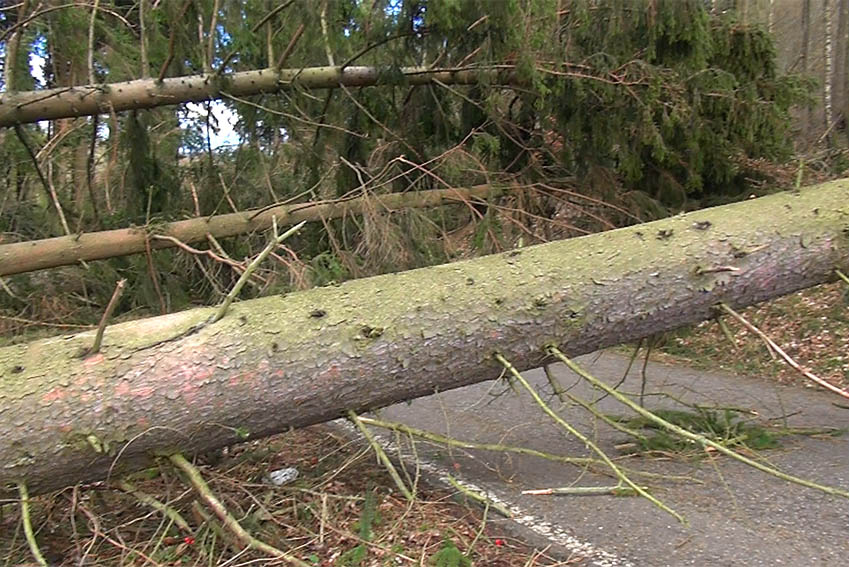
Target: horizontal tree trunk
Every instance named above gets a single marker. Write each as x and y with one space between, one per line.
67 102
21 257
282 362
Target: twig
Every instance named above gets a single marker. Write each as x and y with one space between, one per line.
618 490
842 277
110 307
270 15
171 37
727 333
372 46
154 277
488 503
290 46
149 500
584 439
51 193
225 305
382 455
25 518
183 246
441 439
650 342
688 434
626 373
196 480
91 41
589 406
791 362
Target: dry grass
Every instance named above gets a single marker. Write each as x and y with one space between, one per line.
321 517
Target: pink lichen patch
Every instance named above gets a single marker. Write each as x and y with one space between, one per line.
142 392
332 372
242 378
123 388
56 393
93 360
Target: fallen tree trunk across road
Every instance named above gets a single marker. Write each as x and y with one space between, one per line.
282 362
22 257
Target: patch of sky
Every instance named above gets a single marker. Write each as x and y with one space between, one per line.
222 121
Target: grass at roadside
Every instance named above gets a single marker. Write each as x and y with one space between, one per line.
810 325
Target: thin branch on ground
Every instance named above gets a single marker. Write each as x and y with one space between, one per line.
194 477
149 500
25 518
382 455
724 328
561 393
450 441
183 246
688 434
618 490
584 439
775 347
628 369
478 497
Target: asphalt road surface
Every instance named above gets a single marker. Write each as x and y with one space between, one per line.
736 515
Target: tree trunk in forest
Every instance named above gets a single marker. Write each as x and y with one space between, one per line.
21 257
840 73
827 62
805 28
165 384
32 106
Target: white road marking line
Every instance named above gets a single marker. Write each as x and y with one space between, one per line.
553 532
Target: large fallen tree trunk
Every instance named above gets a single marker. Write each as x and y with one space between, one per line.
67 102
282 362
21 257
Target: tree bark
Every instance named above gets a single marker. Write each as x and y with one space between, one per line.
21 257
48 104
282 362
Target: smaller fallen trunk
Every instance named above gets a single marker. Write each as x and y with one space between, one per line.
22 257
308 357
31 106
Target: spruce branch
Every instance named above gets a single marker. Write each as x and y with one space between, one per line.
701 439
584 439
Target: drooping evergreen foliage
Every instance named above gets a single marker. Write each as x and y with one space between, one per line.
617 110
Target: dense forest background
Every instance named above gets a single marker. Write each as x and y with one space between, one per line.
616 112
